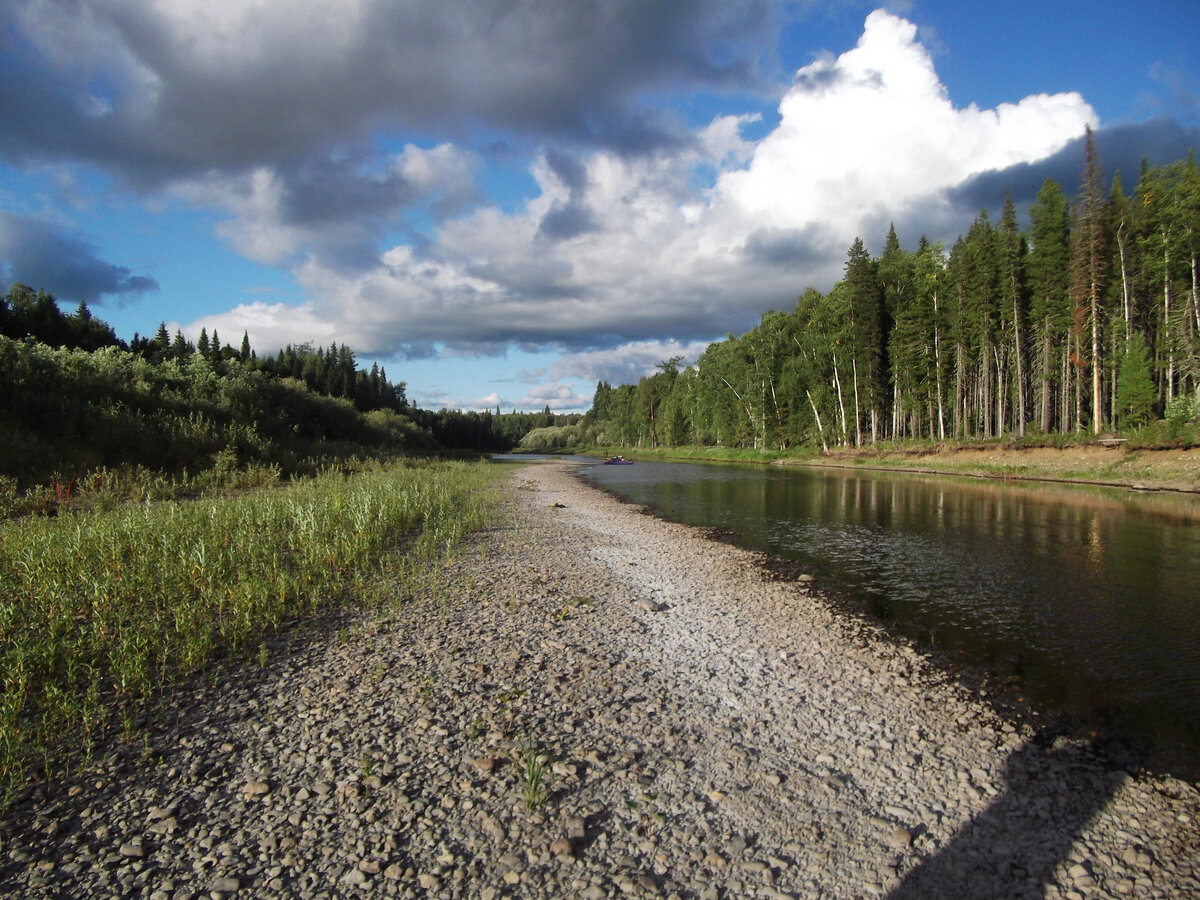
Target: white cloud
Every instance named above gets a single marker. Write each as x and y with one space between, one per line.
627 363
875 132
626 251
556 395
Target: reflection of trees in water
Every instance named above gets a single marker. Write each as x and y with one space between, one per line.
1012 848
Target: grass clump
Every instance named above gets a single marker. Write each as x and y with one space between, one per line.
534 764
100 610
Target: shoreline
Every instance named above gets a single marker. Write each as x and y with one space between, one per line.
707 731
1174 471
1143 471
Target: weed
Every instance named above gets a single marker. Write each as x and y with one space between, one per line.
533 764
428 681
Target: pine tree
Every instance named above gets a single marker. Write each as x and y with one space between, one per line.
895 274
180 348
1014 310
1087 274
1134 404
867 316
1118 217
1049 285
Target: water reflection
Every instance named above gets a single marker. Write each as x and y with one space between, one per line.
1088 595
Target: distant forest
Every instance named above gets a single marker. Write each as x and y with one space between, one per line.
74 399
1085 322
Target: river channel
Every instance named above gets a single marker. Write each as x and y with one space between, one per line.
1087 599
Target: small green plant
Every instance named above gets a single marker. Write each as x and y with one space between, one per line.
428 680
533 764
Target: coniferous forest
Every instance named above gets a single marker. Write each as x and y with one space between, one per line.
164 416
1085 321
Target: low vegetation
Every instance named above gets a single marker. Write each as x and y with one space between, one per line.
100 610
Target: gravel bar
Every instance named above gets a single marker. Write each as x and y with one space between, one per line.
591 702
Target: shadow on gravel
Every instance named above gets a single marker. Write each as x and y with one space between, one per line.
1011 849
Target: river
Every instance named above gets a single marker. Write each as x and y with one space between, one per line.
1087 599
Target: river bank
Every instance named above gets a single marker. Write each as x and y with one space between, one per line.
591 702
1154 470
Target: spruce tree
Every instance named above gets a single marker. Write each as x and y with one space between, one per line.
1087 273
1049 298
867 316
1134 404
1014 310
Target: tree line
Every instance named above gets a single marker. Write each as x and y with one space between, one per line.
1087 320
329 371
74 398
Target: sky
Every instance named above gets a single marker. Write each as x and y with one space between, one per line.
504 202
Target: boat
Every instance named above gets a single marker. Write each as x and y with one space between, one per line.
617 461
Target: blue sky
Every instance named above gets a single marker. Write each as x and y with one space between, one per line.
504 203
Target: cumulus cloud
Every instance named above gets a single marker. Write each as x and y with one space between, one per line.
491 401
626 363
1121 148
872 133
614 248
555 395
45 255
334 208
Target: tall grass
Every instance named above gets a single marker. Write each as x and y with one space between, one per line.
99 610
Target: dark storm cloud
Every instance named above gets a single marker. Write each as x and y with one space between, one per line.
567 221
786 246
39 254
324 190
570 218
1121 148
569 168
152 98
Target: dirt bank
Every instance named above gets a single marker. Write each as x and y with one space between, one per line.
1167 470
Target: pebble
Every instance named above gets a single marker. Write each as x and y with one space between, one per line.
743 740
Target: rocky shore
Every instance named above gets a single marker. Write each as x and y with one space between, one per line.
590 702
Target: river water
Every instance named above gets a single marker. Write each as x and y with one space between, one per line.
1089 596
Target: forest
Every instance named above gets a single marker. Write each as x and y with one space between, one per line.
1085 322
166 417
